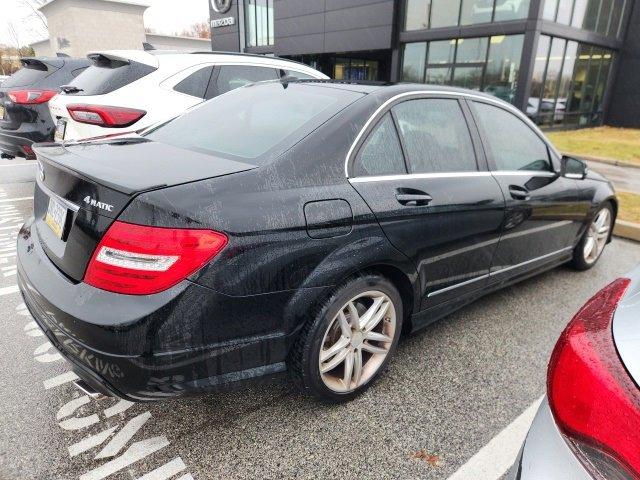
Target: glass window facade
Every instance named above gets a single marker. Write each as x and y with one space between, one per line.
355 69
569 82
423 14
259 23
601 16
489 64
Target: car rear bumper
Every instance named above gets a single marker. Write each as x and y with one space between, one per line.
545 454
112 340
12 144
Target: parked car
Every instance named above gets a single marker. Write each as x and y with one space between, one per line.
541 112
24 113
136 89
294 225
588 426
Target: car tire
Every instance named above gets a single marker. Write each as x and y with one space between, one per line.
364 345
590 247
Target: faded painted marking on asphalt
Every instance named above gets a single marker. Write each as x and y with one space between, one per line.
166 471
496 457
135 452
21 199
60 380
8 290
90 442
19 165
120 440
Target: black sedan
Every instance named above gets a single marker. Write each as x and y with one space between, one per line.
296 226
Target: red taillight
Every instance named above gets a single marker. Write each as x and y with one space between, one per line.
105 116
141 260
595 402
31 97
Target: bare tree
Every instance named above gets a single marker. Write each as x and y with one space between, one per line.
198 30
33 5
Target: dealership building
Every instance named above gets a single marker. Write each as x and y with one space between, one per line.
565 62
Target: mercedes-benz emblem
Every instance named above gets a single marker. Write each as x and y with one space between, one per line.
221 6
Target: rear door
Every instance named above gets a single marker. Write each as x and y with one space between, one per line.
421 172
542 211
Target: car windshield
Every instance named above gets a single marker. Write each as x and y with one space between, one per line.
254 121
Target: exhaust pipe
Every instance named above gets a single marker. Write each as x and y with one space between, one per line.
86 389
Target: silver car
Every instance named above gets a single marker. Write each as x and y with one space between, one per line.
588 426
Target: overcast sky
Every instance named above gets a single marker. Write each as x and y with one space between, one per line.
164 16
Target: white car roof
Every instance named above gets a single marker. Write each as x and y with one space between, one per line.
184 60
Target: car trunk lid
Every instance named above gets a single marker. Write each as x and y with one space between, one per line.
81 189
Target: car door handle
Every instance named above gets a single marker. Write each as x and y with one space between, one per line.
413 199
519 193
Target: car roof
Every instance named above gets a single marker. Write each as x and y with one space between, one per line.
157 58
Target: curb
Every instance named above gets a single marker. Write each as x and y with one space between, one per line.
628 230
608 161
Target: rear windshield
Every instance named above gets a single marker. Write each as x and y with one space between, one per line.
28 76
106 76
253 121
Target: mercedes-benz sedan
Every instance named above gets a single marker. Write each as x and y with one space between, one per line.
588 427
294 226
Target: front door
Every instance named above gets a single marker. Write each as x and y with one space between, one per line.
418 172
542 215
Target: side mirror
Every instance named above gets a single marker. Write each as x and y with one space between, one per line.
573 168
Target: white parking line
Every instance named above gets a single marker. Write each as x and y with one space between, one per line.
8 290
60 380
7 200
166 471
18 165
496 457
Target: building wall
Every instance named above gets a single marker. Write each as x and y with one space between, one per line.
226 39
319 26
624 109
42 49
168 42
77 27
332 26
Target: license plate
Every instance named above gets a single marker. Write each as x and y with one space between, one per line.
61 128
1 112
56 217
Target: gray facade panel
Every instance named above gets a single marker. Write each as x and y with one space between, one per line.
299 26
300 45
364 16
376 38
624 109
226 38
297 8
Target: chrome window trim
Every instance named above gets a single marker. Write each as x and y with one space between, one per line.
71 206
402 176
497 272
420 93
497 173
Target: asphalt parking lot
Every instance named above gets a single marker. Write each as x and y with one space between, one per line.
457 397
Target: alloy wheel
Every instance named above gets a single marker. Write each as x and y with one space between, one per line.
597 236
357 341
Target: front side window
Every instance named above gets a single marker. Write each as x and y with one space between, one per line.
381 154
236 76
259 22
514 146
436 136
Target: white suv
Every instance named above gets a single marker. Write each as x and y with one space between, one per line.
133 90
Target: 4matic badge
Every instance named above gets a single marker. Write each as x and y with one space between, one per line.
94 203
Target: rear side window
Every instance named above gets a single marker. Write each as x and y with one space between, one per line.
254 123
514 145
436 136
106 76
196 84
299 75
28 75
381 154
236 76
